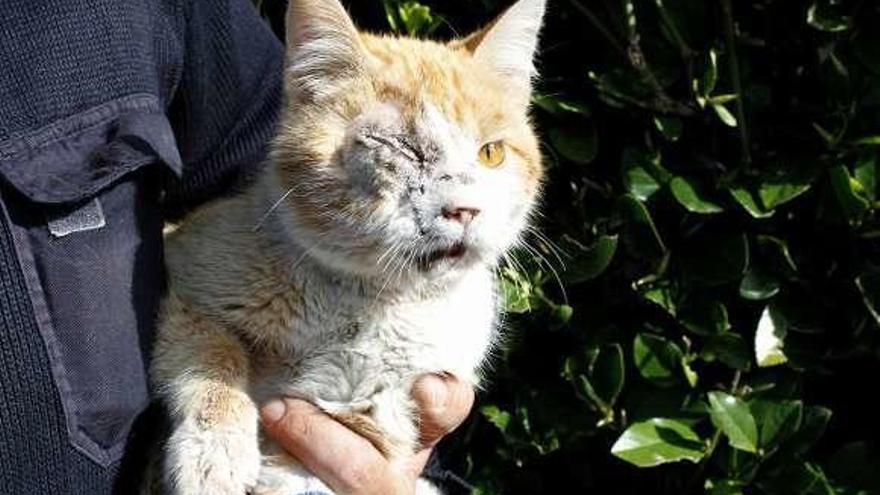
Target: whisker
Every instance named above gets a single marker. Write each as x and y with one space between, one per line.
549 266
272 209
552 247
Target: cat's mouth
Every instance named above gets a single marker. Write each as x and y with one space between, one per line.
453 252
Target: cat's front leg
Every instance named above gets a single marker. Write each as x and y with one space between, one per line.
216 459
201 373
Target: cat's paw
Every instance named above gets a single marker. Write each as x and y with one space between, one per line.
216 461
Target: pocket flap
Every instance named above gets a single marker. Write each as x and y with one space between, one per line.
74 158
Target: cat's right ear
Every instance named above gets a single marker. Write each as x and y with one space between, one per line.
323 47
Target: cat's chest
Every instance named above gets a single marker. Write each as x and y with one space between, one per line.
450 331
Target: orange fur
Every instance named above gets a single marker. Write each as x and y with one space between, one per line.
253 312
408 73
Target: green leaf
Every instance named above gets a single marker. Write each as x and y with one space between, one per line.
758 285
578 143
866 175
575 370
784 184
516 292
722 99
562 313
499 418
639 182
724 487
732 416
619 88
418 19
727 263
670 127
777 420
710 74
608 373
867 141
724 115
559 106
657 359
658 441
642 174
770 338
704 316
640 235
589 392
868 284
728 348
662 296
390 7
799 311
689 374
751 202
692 197
830 139
593 261
776 252
853 206
825 17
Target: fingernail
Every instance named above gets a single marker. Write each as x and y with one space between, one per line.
273 410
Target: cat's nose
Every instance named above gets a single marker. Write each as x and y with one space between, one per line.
461 214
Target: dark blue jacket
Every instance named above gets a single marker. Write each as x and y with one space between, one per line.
112 113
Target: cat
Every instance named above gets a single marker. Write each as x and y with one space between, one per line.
362 256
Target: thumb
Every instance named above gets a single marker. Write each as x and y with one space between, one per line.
444 403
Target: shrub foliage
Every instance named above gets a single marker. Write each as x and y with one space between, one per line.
699 309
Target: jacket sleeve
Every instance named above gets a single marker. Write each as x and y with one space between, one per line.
226 104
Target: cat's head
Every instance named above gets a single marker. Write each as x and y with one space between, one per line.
402 157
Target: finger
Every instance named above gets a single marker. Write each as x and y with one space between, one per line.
341 458
444 403
415 465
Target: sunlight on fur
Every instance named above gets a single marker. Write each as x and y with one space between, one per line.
363 256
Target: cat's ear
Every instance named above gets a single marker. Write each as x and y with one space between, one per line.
508 44
323 47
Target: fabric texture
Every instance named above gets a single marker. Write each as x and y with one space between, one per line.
149 107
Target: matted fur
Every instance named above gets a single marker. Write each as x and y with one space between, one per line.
364 255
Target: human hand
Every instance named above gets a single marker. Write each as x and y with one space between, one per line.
350 464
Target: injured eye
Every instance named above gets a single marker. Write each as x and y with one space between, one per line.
397 143
491 155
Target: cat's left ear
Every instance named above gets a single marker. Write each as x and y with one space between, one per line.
508 44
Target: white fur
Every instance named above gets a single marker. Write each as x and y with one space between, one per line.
372 372
323 48
359 344
509 46
213 461
362 319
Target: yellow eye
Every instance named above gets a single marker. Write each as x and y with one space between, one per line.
491 155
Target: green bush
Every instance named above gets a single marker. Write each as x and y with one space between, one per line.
699 310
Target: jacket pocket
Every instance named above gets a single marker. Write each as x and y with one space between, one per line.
88 229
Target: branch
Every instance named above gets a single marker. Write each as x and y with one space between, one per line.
737 82
639 62
693 486
594 20
662 102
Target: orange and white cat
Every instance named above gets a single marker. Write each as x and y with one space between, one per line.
363 256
